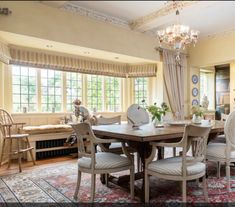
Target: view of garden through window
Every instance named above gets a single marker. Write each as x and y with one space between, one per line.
141 90
45 93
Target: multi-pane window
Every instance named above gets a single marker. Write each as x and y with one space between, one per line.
112 94
94 92
51 97
73 88
141 90
24 85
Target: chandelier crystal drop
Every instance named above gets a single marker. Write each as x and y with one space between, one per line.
178 36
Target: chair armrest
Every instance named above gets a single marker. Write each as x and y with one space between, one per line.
18 123
105 141
166 144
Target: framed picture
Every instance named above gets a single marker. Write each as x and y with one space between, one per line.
195 102
194 79
194 92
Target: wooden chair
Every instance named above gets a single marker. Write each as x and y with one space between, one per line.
224 152
99 162
11 131
181 168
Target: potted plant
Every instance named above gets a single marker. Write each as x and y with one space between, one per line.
197 112
157 112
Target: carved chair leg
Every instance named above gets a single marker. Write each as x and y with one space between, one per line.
30 151
2 152
93 181
19 155
205 191
146 187
132 180
78 185
228 175
10 154
184 192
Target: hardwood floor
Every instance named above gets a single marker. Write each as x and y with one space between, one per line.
29 165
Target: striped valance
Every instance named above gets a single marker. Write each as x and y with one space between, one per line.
73 64
4 53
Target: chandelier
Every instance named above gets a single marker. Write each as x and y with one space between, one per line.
177 36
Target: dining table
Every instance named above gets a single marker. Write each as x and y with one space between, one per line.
139 138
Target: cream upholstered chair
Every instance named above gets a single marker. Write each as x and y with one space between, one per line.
181 168
220 138
224 152
99 162
137 115
11 131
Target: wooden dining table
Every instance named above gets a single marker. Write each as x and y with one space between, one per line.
140 139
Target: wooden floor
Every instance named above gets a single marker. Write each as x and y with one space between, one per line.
29 165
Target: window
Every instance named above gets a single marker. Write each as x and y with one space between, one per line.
112 94
51 90
207 88
24 89
94 92
74 88
140 90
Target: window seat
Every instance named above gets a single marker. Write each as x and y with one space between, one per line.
48 140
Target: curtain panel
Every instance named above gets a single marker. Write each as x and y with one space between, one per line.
173 74
4 53
72 64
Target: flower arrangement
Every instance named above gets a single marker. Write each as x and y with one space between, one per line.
157 111
198 110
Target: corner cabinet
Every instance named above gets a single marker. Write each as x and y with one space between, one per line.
222 90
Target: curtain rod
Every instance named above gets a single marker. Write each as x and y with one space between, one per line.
160 49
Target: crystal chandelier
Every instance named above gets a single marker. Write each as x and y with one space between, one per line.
177 36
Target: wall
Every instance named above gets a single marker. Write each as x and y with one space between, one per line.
216 51
213 51
38 20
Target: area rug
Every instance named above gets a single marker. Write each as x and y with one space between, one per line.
56 185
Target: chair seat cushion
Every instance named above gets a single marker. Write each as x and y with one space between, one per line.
116 145
105 160
173 166
218 150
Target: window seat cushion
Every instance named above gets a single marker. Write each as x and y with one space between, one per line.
45 129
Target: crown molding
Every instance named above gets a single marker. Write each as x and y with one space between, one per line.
95 15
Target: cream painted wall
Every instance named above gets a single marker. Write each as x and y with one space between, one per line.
38 20
213 51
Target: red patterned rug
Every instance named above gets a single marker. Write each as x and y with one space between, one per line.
56 184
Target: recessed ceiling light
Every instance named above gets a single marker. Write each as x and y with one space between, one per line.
49 46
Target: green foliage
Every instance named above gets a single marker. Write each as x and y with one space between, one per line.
157 111
198 110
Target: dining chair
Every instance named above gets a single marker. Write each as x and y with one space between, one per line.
93 162
11 131
224 152
137 115
181 168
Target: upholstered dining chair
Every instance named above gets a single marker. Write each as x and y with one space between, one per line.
11 131
224 152
93 162
181 168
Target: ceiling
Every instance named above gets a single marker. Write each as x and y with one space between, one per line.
209 17
37 43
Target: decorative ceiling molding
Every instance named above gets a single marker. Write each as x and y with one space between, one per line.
95 15
169 8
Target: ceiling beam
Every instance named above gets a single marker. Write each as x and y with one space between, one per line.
56 4
166 10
